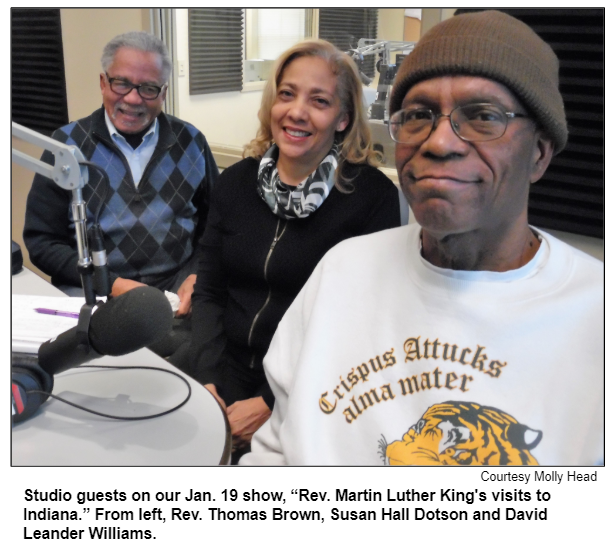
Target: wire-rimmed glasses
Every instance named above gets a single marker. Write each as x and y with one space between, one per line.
473 122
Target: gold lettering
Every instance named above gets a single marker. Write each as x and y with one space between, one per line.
479 358
389 358
344 384
465 379
326 406
363 371
411 348
365 398
359 412
349 415
352 378
386 393
409 385
436 373
454 348
425 381
434 348
449 379
426 352
495 368
376 368
464 351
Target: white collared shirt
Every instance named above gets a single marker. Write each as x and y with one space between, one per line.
137 158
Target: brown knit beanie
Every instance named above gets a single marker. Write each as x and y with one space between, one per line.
493 45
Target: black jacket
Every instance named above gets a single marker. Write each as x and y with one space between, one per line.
252 264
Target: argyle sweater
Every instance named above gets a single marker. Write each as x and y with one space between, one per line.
150 232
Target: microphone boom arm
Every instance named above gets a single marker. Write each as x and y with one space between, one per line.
67 174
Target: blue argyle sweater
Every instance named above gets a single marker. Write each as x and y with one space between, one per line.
150 232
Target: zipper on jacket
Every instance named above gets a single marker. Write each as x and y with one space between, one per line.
277 237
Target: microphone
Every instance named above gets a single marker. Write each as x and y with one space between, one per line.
124 324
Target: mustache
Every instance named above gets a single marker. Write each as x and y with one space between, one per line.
129 108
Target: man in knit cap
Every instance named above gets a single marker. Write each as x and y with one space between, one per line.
469 338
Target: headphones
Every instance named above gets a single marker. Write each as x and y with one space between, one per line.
29 382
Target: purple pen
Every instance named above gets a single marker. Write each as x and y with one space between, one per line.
57 313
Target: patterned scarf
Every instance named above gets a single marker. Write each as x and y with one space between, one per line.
291 202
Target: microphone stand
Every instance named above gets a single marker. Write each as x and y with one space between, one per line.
68 174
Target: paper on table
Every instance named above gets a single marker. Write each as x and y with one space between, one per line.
29 329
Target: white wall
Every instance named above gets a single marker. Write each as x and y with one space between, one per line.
226 119
391 24
84 35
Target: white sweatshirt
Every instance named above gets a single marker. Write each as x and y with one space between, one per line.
385 358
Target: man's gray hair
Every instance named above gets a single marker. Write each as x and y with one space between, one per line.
137 40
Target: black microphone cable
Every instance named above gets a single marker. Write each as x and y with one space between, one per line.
123 418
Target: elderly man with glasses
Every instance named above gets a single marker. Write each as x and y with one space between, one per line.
154 206
469 338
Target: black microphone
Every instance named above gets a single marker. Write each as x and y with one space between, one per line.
124 324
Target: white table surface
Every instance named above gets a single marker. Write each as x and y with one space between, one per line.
58 434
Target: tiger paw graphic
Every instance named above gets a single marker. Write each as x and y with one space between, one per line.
463 433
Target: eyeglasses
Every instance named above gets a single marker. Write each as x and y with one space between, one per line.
473 122
123 87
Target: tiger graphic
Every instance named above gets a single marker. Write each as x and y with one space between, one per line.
463 433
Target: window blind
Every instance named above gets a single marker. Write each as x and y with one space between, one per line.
570 196
344 27
215 50
38 85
